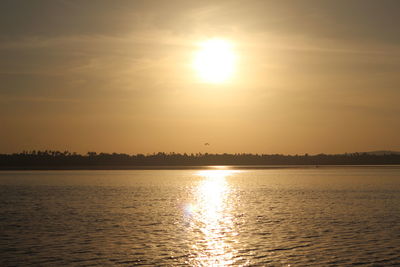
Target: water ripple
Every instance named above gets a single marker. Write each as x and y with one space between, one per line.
261 217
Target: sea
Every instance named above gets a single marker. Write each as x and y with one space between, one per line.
210 216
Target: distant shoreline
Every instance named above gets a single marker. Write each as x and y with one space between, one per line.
193 167
56 160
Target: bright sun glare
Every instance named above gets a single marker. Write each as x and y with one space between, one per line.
215 61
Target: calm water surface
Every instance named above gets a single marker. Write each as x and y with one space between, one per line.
299 217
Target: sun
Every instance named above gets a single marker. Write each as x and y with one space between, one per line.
215 61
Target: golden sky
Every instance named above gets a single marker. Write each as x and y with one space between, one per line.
311 76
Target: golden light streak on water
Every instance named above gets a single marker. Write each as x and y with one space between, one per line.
211 220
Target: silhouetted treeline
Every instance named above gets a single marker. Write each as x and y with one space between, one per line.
67 160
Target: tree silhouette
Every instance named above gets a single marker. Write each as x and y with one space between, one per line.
66 160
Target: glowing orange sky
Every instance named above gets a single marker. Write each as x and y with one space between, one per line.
117 76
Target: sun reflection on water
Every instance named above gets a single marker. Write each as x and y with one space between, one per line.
211 221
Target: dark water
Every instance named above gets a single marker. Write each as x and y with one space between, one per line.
299 217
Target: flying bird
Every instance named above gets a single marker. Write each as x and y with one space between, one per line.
207 144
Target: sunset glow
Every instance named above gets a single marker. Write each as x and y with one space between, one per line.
215 61
200 133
